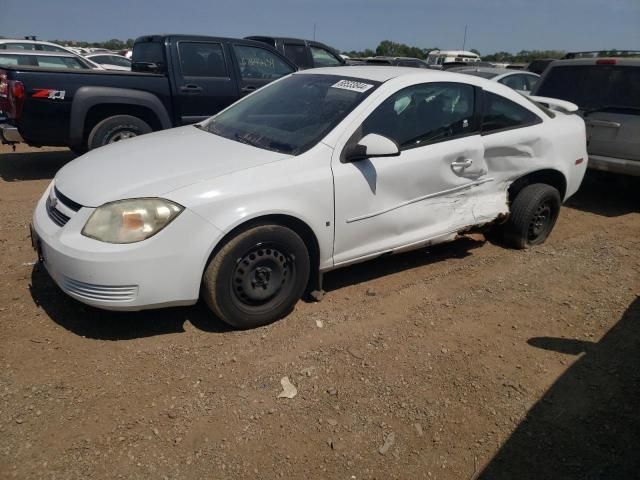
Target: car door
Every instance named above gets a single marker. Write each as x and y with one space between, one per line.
384 204
203 80
257 66
614 129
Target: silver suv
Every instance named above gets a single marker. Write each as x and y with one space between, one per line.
607 91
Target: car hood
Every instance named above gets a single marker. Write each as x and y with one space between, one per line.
155 164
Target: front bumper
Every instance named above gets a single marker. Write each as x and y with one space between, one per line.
164 270
615 165
9 134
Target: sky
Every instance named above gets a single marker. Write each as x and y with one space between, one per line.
493 25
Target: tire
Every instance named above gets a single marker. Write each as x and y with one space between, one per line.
533 214
257 277
116 128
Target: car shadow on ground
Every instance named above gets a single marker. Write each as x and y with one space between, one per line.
19 166
587 425
390 264
99 324
607 194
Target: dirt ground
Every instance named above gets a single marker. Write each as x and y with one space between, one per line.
460 361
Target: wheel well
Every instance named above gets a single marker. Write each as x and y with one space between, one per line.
301 228
97 113
550 177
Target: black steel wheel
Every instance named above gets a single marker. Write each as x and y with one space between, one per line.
257 277
534 212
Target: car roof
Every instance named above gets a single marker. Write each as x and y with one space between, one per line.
494 70
31 42
103 54
39 53
382 73
628 61
179 36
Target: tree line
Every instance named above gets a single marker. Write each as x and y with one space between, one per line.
395 49
384 48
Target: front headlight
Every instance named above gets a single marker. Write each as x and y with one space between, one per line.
128 221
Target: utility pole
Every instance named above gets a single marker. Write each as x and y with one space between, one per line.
464 42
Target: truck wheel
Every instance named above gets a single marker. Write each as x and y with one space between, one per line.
257 277
533 214
115 129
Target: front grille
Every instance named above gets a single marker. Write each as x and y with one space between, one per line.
66 201
56 215
107 293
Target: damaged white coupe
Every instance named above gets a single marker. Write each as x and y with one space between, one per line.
321 169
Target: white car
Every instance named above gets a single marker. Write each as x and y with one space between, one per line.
40 46
111 61
522 82
321 169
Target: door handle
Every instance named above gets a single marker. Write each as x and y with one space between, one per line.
249 88
191 88
461 163
603 123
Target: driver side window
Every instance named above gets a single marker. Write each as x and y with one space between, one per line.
423 114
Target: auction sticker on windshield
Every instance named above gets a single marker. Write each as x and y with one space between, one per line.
352 85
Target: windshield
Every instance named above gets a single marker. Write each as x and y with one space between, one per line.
292 115
593 86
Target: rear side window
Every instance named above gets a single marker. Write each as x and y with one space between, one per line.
593 86
323 58
59 62
259 63
18 46
297 54
499 113
148 52
10 60
199 59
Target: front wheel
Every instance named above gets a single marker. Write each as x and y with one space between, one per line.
534 212
257 277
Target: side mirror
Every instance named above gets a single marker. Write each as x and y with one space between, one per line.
371 146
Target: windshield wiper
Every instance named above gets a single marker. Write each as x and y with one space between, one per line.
244 140
604 108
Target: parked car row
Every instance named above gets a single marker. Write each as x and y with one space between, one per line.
178 80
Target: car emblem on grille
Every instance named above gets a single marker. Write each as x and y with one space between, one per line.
53 201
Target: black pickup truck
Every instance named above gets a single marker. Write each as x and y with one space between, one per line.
175 80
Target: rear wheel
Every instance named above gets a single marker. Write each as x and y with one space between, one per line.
115 129
257 277
534 212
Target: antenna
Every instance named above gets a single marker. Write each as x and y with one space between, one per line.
314 31
464 42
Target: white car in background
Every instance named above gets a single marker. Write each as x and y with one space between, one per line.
34 58
39 46
321 169
522 82
111 61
